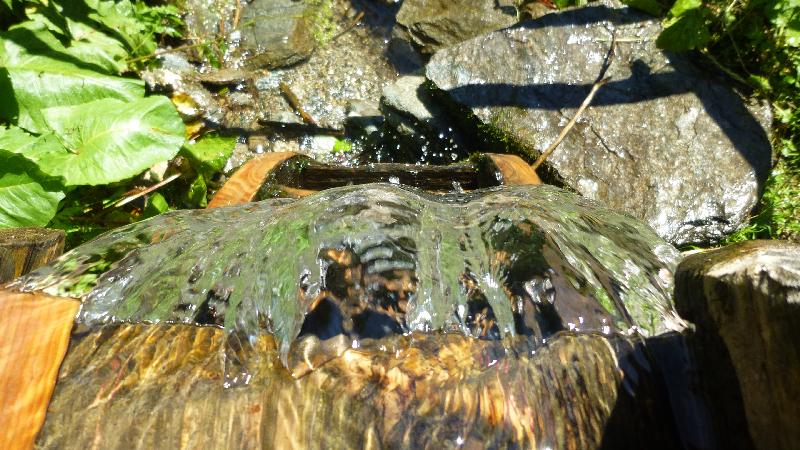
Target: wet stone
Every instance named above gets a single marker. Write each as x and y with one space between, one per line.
279 33
419 123
431 25
664 140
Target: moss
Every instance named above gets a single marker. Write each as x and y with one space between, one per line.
320 19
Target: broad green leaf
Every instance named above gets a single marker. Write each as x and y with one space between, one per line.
156 204
209 154
682 6
40 74
689 31
107 140
27 197
100 49
120 16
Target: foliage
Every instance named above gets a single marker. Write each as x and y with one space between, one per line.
70 118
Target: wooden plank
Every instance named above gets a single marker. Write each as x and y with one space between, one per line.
304 179
34 334
25 249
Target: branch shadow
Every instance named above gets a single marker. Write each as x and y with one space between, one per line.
723 104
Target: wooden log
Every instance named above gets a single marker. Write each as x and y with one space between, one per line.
25 249
34 334
307 176
432 178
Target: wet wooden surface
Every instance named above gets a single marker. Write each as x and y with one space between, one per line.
164 386
296 176
245 183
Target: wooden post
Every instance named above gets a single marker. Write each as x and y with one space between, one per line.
25 249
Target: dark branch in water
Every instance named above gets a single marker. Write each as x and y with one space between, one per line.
295 104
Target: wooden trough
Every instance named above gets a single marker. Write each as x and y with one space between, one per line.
35 327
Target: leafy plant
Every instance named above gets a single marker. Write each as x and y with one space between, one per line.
67 117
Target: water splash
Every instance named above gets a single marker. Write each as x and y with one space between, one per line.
365 262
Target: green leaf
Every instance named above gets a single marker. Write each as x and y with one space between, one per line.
120 17
92 46
682 6
27 197
209 154
196 196
156 204
37 72
687 32
107 140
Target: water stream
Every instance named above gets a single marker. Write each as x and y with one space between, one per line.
375 260
386 292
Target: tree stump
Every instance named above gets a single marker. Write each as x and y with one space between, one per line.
25 249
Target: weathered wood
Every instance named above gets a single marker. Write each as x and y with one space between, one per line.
744 300
163 386
34 333
25 249
316 176
296 176
513 169
245 183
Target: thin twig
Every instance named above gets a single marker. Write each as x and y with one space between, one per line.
152 188
295 104
602 80
597 85
237 14
349 27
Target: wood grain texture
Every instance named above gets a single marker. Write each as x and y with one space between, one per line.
34 334
514 170
142 387
25 249
245 183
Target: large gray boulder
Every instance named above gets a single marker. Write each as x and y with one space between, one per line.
745 302
434 24
663 140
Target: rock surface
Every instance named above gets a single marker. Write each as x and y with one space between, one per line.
745 302
664 140
434 24
279 33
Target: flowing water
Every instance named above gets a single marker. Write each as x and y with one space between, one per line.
382 273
